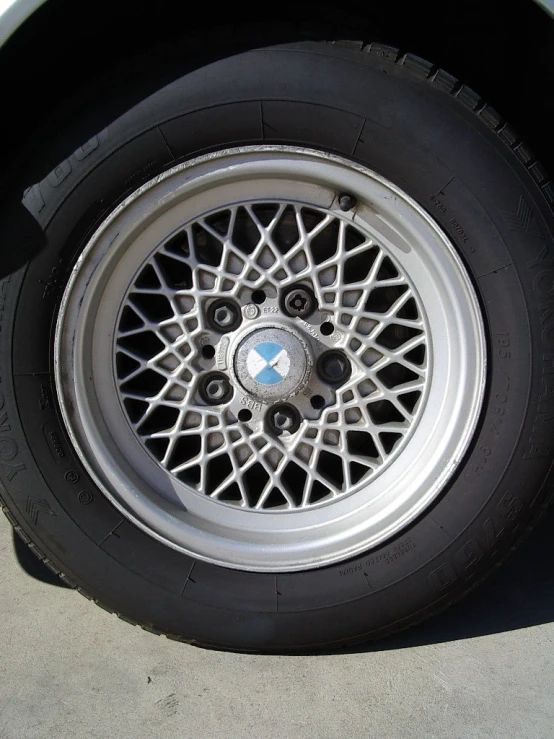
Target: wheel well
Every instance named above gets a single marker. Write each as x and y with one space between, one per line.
67 53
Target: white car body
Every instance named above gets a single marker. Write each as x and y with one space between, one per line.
14 12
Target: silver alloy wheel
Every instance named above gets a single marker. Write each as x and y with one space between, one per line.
140 332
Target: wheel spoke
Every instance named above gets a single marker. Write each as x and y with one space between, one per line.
228 255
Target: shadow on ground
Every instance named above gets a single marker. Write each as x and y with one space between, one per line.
519 595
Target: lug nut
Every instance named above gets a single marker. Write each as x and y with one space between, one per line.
299 302
283 421
333 367
224 315
283 417
216 389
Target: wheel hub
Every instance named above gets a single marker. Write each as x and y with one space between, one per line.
272 363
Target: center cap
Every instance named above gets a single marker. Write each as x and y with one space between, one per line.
272 363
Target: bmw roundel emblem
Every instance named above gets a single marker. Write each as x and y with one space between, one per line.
268 363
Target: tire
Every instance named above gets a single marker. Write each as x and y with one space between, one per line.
459 164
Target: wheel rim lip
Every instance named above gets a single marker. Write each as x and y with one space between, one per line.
213 542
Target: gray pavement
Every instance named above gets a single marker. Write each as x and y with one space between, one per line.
482 671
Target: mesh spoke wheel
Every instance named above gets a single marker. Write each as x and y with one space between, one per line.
186 281
163 335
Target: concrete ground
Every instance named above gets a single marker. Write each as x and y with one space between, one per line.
484 670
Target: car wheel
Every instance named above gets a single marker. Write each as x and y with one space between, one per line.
282 377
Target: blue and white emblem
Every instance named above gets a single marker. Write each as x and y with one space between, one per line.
268 363
272 363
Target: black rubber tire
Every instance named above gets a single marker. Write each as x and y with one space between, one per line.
430 135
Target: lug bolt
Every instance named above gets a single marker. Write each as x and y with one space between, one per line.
346 201
333 367
283 421
299 302
224 315
216 389
283 417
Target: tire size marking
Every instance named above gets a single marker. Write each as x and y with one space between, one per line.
437 203
389 555
456 225
460 231
470 553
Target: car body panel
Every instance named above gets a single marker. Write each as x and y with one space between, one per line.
14 12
